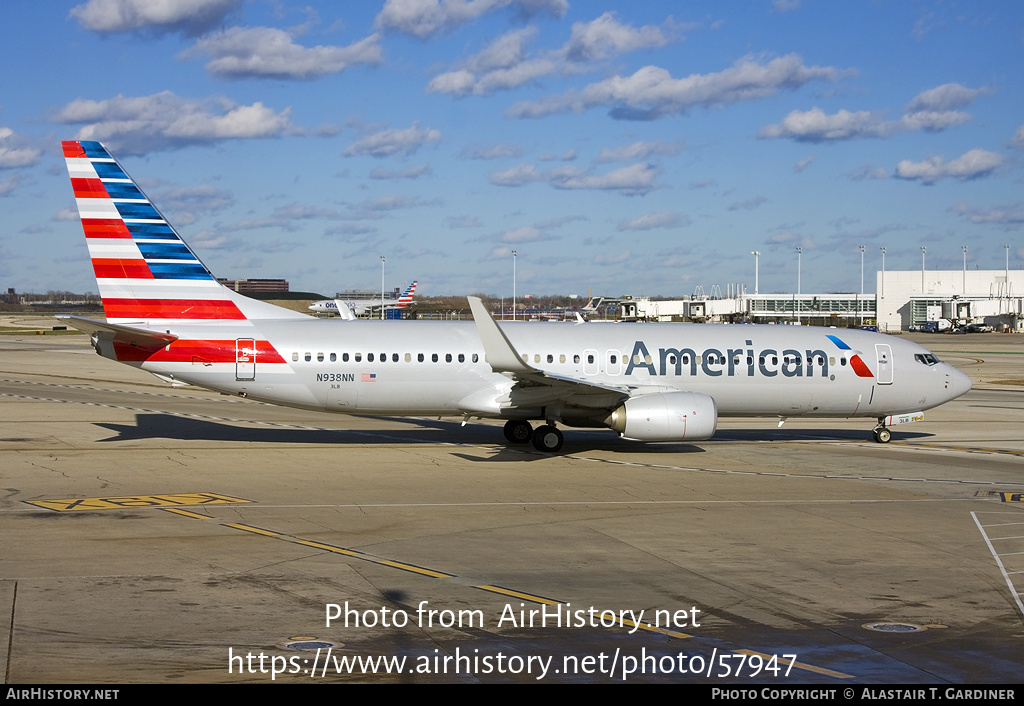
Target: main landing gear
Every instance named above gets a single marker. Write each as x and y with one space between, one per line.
882 433
546 438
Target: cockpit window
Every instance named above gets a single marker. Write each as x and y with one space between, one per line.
926 358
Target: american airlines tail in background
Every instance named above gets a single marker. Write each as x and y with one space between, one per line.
167 314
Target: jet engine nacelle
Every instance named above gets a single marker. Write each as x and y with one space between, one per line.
667 416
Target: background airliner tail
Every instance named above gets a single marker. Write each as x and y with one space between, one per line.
147 275
406 298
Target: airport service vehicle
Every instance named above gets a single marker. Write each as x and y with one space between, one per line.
350 308
167 314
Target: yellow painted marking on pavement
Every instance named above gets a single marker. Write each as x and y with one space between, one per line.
518 594
254 530
121 502
500 590
328 548
187 513
1012 497
798 665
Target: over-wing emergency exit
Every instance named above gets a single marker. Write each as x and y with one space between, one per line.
167 314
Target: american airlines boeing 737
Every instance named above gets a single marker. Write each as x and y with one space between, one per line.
361 307
167 314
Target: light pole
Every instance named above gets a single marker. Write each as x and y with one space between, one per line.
757 257
923 251
861 269
799 254
514 253
1006 280
381 287
881 293
964 248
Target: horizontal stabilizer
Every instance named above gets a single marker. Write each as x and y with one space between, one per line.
142 338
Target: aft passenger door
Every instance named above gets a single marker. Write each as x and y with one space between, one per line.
245 359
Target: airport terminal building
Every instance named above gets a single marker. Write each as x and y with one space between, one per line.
905 299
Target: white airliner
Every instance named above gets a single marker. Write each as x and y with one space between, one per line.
361 307
165 313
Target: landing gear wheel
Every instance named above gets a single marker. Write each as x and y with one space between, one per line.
547 438
882 435
518 431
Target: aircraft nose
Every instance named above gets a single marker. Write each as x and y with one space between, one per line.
959 383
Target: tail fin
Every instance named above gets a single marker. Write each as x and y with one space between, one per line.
406 298
145 272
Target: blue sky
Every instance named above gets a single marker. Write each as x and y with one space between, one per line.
642 148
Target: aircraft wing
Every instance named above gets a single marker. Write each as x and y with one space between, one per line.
533 385
126 334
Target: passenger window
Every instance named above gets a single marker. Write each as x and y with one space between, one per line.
433 357
551 358
576 358
408 357
369 357
447 357
344 357
394 357
334 357
462 358
308 356
419 357
561 358
475 358
319 357
358 357
590 359
295 357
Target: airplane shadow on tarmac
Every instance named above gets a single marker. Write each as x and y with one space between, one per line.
432 431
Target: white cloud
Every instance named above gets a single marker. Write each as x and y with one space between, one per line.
265 52
651 92
142 124
640 150
498 151
1010 216
931 111
410 173
632 180
650 221
1018 138
748 205
945 97
13 153
606 37
803 164
504 63
815 125
8 185
392 141
517 176
970 165
184 204
526 234
190 17
427 18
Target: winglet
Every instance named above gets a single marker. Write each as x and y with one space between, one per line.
343 311
499 352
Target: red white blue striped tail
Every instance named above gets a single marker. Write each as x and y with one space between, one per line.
406 298
147 275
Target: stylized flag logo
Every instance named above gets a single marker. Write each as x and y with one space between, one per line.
858 365
369 377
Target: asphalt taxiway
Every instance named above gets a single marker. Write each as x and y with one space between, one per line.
157 534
